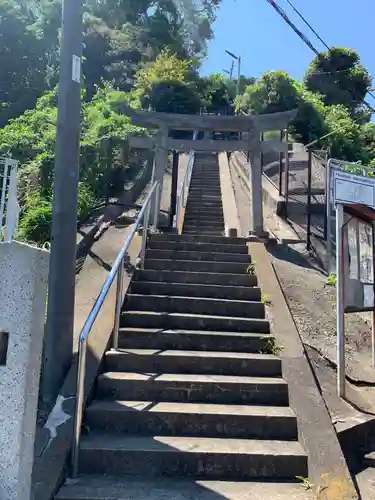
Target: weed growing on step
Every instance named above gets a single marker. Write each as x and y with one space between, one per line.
266 300
251 269
271 347
305 482
331 280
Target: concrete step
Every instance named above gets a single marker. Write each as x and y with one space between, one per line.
93 487
199 340
200 198
208 212
202 217
202 362
194 305
142 319
192 290
196 266
210 256
199 278
209 458
186 246
218 225
205 184
199 231
204 191
202 239
192 388
196 213
191 419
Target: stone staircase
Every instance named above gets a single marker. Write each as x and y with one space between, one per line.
193 404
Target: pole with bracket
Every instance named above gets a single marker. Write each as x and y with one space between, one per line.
62 275
340 300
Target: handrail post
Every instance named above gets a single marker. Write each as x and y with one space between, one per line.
157 196
144 234
82 351
119 288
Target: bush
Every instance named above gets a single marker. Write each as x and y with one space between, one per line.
35 225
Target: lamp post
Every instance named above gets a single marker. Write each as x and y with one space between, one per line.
238 59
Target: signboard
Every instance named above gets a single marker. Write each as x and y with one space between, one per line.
358 260
349 189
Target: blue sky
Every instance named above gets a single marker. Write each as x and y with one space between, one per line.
254 30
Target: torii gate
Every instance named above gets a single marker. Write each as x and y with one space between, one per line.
253 125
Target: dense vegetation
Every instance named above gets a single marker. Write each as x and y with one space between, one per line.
330 100
147 53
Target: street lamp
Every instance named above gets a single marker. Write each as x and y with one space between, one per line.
230 73
238 59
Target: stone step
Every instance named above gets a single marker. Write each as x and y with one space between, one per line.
219 225
201 239
205 184
199 340
203 191
202 362
207 232
142 319
197 266
193 214
182 387
169 276
210 256
192 419
94 487
192 290
209 458
208 184
194 305
196 213
186 246
203 217
199 198
198 229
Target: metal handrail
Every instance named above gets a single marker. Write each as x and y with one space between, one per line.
117 270
182 196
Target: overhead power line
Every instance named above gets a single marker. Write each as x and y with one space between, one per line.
308 24
303 37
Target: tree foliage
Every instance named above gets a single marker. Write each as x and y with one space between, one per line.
218 93
276 91
31 139
339 78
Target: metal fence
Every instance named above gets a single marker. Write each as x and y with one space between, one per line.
9 208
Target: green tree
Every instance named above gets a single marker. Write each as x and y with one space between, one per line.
339 78
347 141
276 91
218 93
172 97
22 61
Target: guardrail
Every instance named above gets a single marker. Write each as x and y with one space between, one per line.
184 190
9 208
116 271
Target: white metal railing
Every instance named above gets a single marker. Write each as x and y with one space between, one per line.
9 208
184 190
116 271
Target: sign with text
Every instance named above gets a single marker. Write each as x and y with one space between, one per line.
349 189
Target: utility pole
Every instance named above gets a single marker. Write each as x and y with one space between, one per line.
238 59
61 294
